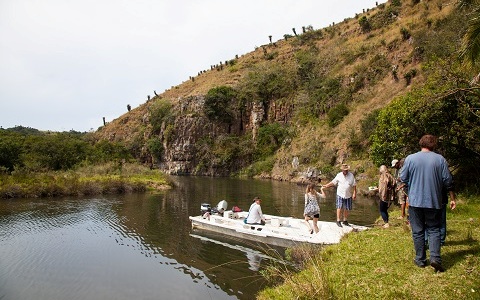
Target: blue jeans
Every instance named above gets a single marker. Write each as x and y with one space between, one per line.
384 210
426 221
443 227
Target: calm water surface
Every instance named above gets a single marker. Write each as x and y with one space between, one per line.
142 246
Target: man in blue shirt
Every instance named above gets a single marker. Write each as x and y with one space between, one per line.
426 174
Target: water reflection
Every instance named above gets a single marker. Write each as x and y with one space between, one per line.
142 246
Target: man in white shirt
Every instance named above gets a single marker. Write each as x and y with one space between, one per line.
346 192
255 215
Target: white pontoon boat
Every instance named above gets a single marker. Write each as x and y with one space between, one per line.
278 231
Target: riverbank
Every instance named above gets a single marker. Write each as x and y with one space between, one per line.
85 181
378 264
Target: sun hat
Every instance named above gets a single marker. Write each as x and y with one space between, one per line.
394 162
345 167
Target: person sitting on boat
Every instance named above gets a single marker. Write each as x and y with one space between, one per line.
255 215
312 210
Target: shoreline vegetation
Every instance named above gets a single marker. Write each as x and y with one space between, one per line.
109 178
378 264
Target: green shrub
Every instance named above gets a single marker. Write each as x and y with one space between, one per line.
269 139
364 24
155 147
160 112
218 104
266 83
378 67
105 151
259 167
336 114
271 55
410 75
306 64
405 33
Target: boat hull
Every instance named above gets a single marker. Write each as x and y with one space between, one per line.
278 231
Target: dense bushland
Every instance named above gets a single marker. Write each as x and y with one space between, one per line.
35 151
52 164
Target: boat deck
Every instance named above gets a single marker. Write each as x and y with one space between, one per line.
279 231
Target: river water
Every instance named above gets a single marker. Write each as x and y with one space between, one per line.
142 246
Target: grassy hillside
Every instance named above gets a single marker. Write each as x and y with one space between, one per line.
324 86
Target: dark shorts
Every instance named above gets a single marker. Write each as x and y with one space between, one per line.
316 216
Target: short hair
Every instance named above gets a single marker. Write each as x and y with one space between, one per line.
428 141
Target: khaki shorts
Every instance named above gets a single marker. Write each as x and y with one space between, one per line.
402 197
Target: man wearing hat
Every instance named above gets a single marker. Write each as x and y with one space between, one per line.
394 163
346 192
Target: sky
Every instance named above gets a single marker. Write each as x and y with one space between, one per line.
66 64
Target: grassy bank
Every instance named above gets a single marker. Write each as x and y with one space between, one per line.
378 264
90 180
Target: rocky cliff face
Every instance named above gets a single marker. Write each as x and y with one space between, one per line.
188 136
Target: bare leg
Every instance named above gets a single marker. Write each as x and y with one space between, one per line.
339 210
345 214
315 226
308 223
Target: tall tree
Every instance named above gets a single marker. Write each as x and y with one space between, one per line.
471 40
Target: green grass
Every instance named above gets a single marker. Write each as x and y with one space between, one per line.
90 180
378 264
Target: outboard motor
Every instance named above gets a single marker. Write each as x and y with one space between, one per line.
222 206
204 208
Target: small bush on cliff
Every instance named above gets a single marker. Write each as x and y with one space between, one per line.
218 104
336 114
268 83
364 24
270 138
160 112
155 147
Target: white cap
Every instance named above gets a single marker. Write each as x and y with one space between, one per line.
394 162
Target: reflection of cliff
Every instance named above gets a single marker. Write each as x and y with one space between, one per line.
161 228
